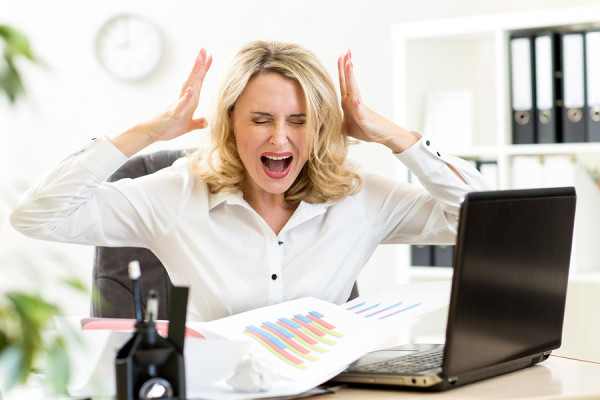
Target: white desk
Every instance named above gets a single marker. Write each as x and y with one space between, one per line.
555 378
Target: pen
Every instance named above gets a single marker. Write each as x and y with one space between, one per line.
152 306
134 275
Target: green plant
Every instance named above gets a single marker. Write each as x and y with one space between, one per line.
13 45
23 319
26 318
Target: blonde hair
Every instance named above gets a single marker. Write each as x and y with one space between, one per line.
325 176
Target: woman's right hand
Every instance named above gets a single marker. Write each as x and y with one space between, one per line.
176 120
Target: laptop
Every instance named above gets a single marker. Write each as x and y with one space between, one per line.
511 268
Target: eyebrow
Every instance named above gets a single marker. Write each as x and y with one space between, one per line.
266 114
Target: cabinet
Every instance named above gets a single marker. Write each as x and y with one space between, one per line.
470 56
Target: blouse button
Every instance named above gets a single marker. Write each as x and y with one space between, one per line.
427 142
274 276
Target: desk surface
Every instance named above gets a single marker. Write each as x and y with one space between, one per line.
555 378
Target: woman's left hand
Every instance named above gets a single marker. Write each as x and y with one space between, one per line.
363 123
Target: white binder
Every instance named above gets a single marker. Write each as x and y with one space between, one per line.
573 87
592 53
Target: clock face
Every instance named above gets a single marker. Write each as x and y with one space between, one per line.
129 47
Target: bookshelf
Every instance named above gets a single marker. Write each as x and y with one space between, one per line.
471 53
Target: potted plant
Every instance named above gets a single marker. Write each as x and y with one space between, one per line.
25 316
23 319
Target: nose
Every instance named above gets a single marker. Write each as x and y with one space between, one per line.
279 136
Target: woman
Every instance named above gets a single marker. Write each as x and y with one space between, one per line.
270 210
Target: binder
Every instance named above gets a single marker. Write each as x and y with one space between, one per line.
592 54
573 67
443 255
522 89
421 255
547 88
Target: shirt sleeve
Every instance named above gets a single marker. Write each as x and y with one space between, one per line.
74 203
427 213
431 167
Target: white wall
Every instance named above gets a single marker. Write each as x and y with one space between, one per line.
71 99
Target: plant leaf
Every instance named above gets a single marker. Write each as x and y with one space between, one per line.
16 43
12 367
76 284
57 368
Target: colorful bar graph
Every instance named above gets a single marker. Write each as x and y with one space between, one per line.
402 310
295 348
383 310
295 329
276 346
368 308
323 325
313 331
356 306
376 311
296 340
317 317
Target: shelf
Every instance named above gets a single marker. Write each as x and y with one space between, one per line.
426 274
494 152
553 149
475 152
437 61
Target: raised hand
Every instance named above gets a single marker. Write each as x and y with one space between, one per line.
176 120
360 121
179 119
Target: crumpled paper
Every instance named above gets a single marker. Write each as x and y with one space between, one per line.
252 374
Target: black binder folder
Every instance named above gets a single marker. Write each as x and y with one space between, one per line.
573 68
442 256
522 91
421 255
592 54
547 88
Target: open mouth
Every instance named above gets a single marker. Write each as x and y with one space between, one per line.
276 165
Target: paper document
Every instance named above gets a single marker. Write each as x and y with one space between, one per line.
303 342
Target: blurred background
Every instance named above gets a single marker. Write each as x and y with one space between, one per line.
71 98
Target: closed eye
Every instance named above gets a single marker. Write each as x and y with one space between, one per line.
260 121
297 119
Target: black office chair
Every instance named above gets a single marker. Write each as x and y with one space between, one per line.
112 290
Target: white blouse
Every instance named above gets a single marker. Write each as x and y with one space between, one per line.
220 247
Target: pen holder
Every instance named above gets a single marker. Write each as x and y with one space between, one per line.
150 366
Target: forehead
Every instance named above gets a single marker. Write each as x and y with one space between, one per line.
271 90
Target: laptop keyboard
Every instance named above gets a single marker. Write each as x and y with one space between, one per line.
407 364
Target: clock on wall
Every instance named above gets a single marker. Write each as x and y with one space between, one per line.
129 47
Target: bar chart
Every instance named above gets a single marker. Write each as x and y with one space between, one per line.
298 340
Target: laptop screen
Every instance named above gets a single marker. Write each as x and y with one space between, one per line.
511 267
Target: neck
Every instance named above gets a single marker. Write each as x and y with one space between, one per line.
271 207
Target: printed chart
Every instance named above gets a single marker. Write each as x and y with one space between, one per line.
401 304
381 310
297 340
